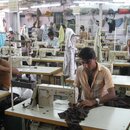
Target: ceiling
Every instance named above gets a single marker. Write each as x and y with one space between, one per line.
28 3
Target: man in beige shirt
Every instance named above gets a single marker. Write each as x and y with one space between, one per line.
83 34
94 79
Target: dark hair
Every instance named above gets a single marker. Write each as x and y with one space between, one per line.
50 33
11 32
87 53
82 27
63 26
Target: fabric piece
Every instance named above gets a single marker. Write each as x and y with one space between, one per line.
73 116
120 102
101 83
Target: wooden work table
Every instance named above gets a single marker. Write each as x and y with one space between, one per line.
99 118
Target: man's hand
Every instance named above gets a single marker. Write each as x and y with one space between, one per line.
87 103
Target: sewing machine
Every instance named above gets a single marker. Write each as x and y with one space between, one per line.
41 43
17 60
43 51
46 94
118 55
5 51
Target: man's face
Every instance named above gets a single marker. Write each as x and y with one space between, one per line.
89 64
51 37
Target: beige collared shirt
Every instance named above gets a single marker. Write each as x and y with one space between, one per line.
102 81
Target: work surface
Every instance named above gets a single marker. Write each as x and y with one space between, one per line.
119 80
99 118
49 59
39 70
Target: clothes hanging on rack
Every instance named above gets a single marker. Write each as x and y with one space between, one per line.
126 24
2 39
69 65
118 22
111 23
61 35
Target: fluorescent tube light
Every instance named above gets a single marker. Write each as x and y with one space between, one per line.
5 10
46 5
3 1
79 2
23 8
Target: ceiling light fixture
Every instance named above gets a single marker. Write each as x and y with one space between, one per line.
46 5
4 1
23 8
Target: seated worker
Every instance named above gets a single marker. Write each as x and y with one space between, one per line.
52 41
83 34
11 35
5 79
127 47
94 79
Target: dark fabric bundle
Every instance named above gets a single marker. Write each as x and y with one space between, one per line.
73 116
5 104
121 102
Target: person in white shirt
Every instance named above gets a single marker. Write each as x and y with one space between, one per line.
52 41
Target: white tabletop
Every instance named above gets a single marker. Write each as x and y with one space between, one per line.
119 80
108 118
39 70
49 59
121 63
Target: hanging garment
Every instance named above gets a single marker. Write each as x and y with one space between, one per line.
111 23
2 39
69 65
61 35
126 23
24 31
118 22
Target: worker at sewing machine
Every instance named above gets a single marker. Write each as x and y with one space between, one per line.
83 34
11 35
93 79
127 47
52 41
5 79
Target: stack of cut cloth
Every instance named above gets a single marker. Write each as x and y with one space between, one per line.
74 115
